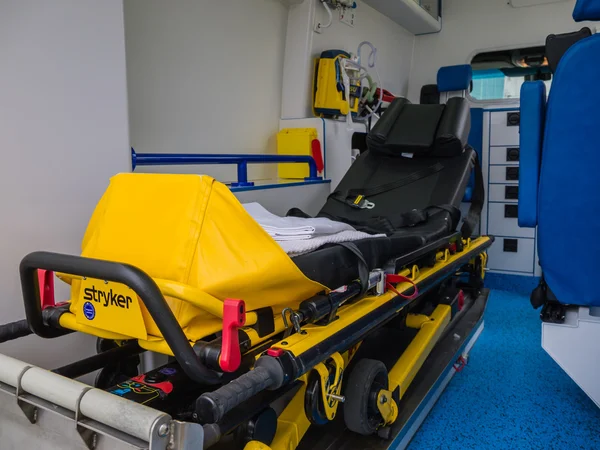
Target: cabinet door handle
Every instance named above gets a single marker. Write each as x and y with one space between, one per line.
511 192
511 211
513 119
512 154
511 245
512 173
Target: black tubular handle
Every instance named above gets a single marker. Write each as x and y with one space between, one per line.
214 405
14 330
267 374
131 276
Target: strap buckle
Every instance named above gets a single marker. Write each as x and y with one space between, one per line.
362 203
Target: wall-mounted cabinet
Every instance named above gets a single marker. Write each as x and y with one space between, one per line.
417 16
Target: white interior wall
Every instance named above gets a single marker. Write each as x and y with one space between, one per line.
394 57
63 134
205 76
471 26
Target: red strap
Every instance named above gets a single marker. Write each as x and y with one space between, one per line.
460 364
165 386
46 283
387 95
389 279
461 300
234 317
317 154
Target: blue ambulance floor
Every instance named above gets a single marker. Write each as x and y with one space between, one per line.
511 395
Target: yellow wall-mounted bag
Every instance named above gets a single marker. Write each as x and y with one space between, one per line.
295 141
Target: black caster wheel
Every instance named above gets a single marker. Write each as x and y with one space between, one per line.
116 372
104 345
261 428
367 379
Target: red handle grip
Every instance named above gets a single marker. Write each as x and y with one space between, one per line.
234 317
317 154
46 282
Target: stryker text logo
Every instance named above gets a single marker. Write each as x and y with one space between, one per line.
107 298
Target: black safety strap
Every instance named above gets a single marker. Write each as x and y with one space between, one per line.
363 267
393 223
477 200
350 196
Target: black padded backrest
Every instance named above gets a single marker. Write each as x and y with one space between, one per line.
445 187
422 130
558 44
430 95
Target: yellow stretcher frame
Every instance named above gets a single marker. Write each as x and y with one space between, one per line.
297 343
293 424
313 334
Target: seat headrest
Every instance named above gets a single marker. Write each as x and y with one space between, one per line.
454 78
558 44
422 130
586 10
430 95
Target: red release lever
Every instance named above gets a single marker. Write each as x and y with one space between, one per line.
389 279
317 155
46 283
234 317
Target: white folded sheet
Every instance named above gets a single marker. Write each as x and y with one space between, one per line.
300 247
294 227
298 235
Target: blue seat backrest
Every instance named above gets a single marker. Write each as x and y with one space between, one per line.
533 117
454 78
586 10
568 212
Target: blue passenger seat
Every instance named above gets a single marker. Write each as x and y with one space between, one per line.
560 164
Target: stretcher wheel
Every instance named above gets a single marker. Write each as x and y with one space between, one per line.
367 379
117 372
261 428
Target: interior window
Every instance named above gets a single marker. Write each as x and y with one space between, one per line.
499 75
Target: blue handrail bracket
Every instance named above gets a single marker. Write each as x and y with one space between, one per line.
242 161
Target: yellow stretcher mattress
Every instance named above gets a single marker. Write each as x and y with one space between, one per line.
191 229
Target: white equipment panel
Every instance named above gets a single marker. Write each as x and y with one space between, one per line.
514 251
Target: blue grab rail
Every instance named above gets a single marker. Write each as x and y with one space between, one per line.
242 161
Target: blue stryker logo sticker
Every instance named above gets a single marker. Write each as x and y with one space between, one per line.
89 311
